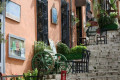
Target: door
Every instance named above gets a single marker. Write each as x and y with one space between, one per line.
42 20
65 22
79 25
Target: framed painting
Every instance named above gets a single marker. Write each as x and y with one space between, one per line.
16 47
13 11
54 16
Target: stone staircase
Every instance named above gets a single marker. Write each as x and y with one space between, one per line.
50 77
104 61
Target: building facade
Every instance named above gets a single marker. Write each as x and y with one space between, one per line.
28 21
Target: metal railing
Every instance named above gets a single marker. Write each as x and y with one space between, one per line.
95 39
78 66
19 77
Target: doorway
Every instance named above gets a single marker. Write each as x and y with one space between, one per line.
79 25
65 22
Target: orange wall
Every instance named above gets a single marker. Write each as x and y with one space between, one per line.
74 39
26 28
54 30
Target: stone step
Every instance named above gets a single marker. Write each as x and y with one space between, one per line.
50 79
52 76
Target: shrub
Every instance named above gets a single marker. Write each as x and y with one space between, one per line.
113 26
77 49
62 48
40 46
27 76
76 52
70 54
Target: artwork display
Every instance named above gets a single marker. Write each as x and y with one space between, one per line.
54 15
13 11
16 47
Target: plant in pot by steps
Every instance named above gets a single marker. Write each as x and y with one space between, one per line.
107 22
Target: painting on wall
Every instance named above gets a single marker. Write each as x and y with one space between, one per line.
13 11
16 47
54 16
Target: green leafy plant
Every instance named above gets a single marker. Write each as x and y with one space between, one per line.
62 48
113 4
70 54
40 46
77 49
75 52
75 20
107 21
27 75
30 75
113 14
88 24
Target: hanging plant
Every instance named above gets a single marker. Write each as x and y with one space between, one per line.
113 4
75 20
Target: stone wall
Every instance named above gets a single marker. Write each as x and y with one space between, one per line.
104 61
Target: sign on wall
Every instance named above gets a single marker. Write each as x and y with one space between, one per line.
16 47
13 11
54 15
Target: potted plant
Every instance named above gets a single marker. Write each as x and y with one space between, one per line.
113 14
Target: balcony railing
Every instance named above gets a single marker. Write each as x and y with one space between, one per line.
95 37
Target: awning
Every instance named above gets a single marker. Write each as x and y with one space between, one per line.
79 3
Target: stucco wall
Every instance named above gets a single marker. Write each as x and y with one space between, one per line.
26 28
74 27
54 30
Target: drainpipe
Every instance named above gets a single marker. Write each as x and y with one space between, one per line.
71 23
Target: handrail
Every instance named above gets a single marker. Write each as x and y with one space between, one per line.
12 76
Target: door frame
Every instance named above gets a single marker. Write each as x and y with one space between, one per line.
3 43
80 25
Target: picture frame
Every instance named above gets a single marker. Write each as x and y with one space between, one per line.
54 16
13 11
16 47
